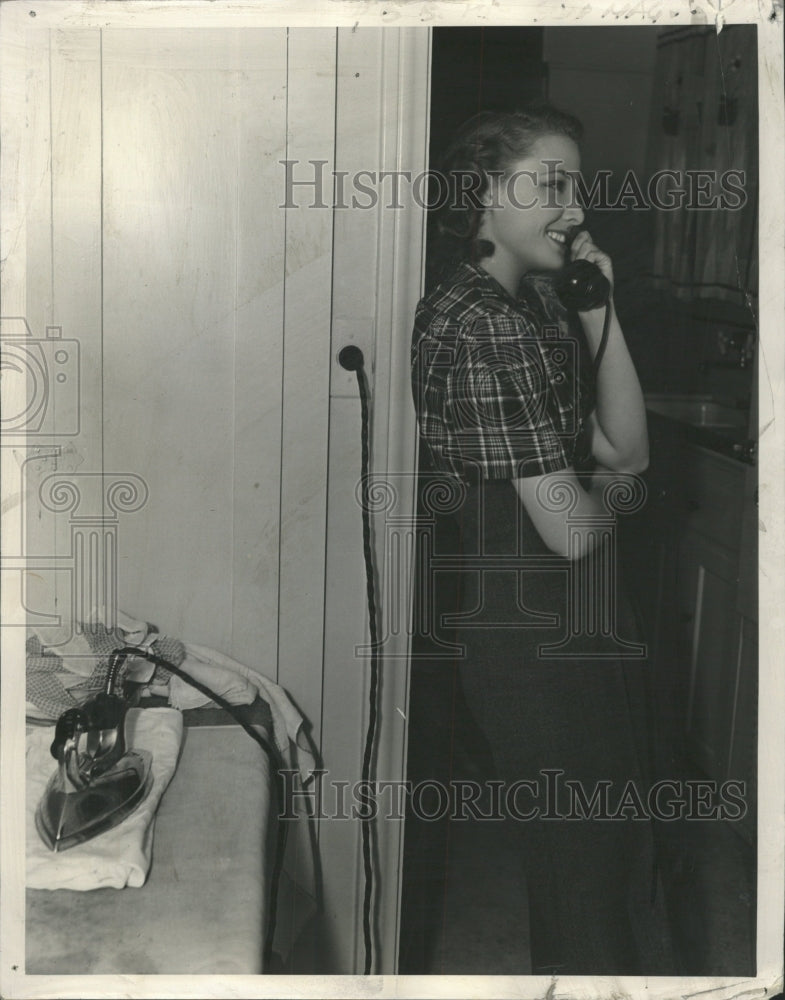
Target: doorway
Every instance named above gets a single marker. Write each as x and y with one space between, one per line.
444 927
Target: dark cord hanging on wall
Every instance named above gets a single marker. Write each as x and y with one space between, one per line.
351 358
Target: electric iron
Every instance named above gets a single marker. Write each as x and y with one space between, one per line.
98 781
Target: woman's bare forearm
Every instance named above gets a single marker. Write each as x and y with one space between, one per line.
621 411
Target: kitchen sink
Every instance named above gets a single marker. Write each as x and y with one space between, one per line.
697 411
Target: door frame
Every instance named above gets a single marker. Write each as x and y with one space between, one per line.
378 319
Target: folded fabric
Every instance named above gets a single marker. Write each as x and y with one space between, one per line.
119 857
230 685
216 668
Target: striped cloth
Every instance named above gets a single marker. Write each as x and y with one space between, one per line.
52 687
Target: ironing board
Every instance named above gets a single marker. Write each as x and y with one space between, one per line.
205 906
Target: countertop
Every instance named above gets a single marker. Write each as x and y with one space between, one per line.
728 436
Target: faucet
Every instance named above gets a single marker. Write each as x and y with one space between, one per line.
740 343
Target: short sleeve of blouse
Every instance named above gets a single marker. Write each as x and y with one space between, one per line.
509 417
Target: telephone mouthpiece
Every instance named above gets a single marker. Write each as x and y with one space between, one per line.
582 286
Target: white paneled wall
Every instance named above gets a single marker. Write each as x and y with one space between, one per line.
165 251
209 318
194 253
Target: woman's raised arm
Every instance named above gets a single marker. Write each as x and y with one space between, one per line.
617 427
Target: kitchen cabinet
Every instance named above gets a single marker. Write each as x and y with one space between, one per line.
706 659
695 578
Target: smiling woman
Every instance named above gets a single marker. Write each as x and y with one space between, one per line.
529 211
534 439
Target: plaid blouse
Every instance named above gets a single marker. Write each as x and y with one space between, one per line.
502 388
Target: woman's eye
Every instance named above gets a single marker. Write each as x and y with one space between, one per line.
560 184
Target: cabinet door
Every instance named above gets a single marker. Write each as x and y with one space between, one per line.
743 755
706 623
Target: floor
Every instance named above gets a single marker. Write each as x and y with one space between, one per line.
482 886
711 896
712 899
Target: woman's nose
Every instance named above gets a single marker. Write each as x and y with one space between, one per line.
573 214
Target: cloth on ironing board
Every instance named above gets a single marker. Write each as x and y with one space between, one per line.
230 685
62 674
121 856
215 669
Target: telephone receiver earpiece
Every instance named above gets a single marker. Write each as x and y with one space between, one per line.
581 285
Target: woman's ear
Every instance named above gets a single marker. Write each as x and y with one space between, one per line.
474 186
488 187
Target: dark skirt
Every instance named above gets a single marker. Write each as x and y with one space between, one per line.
554 673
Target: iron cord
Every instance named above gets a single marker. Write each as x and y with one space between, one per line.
273 756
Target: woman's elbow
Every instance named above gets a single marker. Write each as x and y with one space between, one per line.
633 464
638 465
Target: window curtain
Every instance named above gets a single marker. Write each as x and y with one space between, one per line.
705 117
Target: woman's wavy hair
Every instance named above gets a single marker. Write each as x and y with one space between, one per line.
487 144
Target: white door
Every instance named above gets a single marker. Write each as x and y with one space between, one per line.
208 484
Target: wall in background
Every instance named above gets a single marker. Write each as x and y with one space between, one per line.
604 75
160 245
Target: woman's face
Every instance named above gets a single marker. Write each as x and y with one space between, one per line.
532 207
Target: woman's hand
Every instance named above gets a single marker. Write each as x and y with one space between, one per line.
583 248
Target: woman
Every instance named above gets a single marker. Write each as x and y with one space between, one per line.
514 413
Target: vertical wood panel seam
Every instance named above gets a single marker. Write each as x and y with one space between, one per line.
394 242
233 473
283 371
320 748
51 194
101 270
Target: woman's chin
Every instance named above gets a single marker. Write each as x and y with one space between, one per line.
551 266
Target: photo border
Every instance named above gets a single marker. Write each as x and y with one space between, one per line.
14 20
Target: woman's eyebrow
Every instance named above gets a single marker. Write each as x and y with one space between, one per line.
553 167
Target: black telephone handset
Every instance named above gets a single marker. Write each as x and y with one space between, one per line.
582 286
